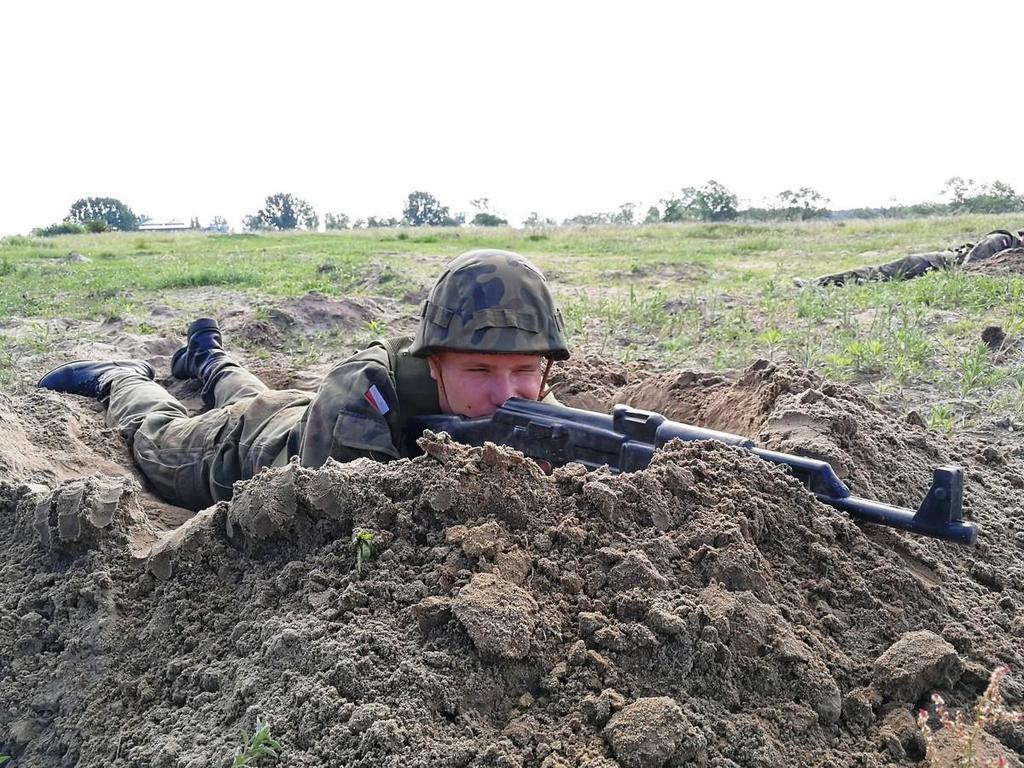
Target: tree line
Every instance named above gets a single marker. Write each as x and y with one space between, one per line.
710 202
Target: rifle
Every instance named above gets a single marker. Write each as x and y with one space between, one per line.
626 440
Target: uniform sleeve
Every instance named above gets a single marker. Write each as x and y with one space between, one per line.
352 416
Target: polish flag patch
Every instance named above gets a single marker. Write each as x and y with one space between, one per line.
376 400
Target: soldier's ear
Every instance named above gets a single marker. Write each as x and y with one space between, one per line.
435 366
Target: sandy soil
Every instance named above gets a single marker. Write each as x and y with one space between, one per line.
705 611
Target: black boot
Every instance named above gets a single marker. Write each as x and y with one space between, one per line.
88 377
194 360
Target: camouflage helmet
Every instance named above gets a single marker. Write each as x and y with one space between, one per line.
491 301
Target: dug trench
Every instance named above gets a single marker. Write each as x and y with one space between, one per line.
704 611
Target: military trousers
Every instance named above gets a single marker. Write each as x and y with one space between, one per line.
906 268
194 461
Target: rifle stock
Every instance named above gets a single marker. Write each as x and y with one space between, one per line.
626 441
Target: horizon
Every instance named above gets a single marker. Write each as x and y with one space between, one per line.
639 213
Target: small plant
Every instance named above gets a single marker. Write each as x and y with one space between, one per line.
866 355
988 710
1017 389
810 353
973 370
904 368
4 759
812 303
941 419
362 543
256 746
771 338
839 366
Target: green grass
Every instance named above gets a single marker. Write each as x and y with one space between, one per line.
709 295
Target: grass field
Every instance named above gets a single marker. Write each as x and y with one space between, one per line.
703 295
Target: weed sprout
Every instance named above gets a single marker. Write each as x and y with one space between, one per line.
941 419
987 711
256 746
362 543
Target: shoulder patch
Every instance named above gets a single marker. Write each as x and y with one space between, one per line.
376 400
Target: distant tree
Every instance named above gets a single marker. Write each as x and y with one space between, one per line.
958 189
534 220
623 216
805 203
678 208
96 226
194 223
218 224
485 216
336 221
1001 189
380 222
422 209
968 196
116 214
283 211
587 219
714 202
483 219
653 215
926 209
997 197
64 228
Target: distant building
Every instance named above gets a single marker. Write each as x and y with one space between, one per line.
171 225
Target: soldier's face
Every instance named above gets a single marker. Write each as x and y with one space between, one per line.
475 384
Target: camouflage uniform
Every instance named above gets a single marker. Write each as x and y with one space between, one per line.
918 264
906 268
993 243
486 301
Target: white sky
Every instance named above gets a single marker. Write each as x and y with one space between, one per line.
204 108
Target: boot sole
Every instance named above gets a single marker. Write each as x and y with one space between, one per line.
202 324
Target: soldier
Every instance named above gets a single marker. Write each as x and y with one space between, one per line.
489 331
918 264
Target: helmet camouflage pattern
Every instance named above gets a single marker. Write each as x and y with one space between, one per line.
491 301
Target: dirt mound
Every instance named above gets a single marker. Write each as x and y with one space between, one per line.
318 312
1009 261
48 438
706 610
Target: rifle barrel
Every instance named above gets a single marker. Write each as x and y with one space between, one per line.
625 441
